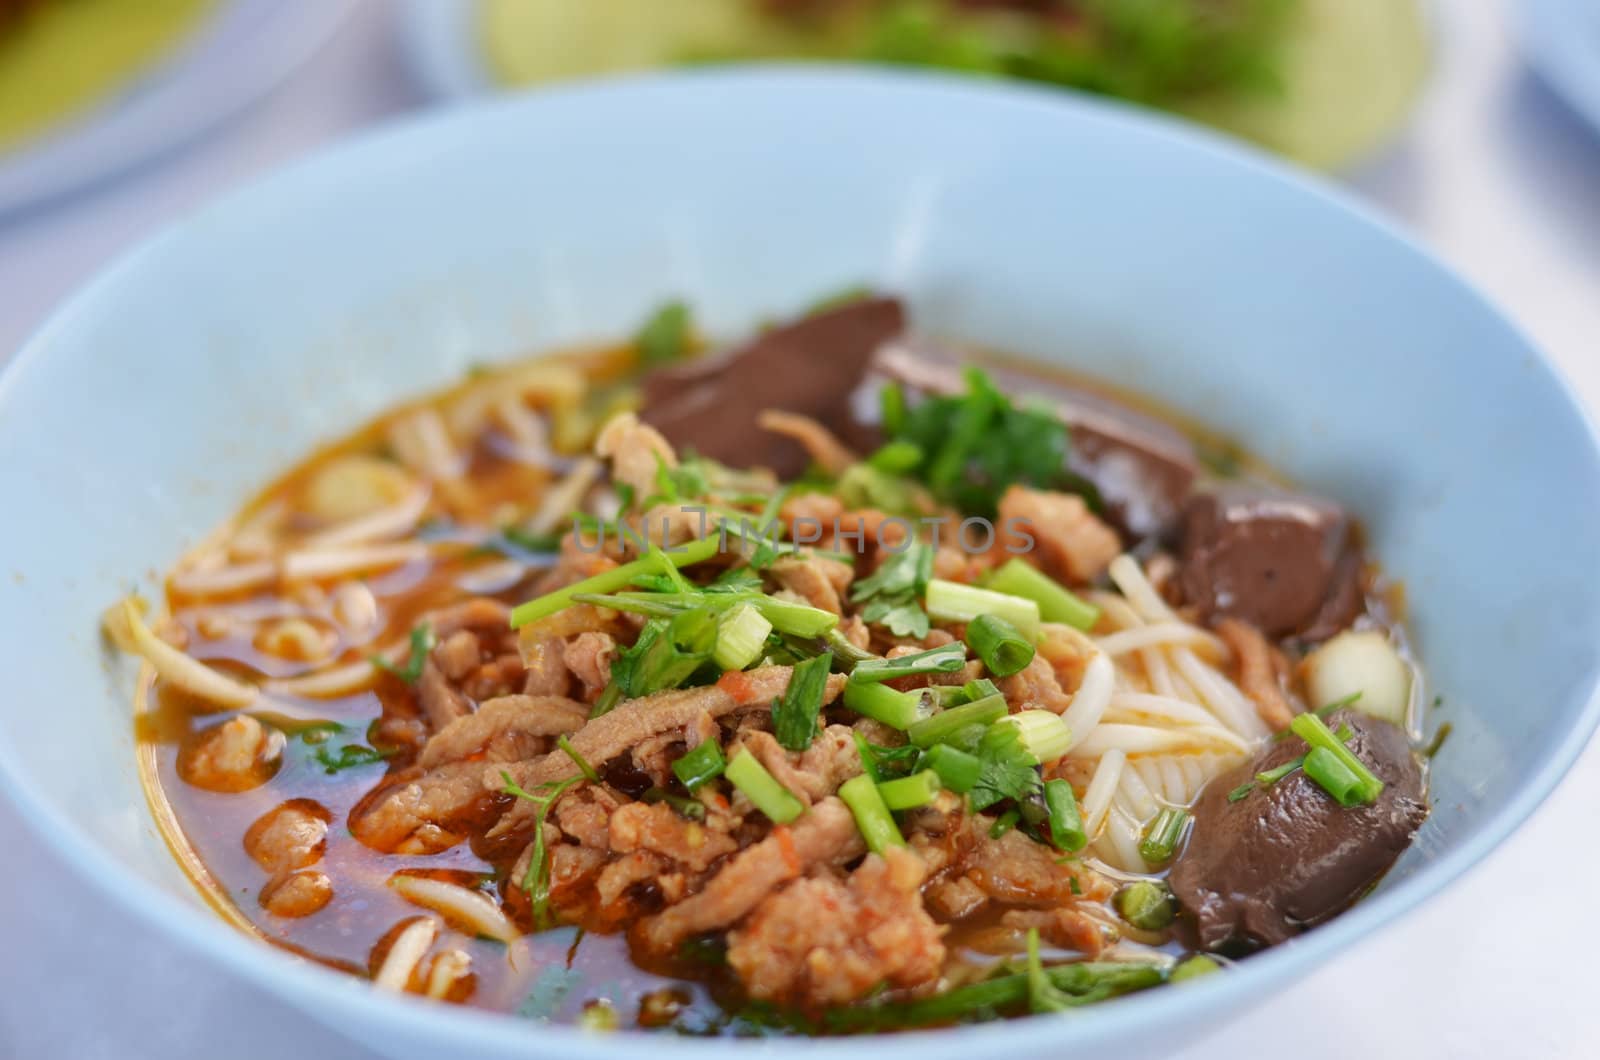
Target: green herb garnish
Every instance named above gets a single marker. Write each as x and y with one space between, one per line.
978 444
795 716
422 641
1010 771
536 881
892 595
665 336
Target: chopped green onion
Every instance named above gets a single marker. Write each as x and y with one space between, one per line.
865 486
1242 791
982 688
1042 993
892 408
612 580
897 458
872 816
944 725
1269 777
1066 823
741 635
843 650
1004 823
908 793
945 696
1313 731
795 619
762 789
955 602
1145 904
1056 603
898 710
800 620
693 809
958 770
589 772
998 643
1334 778
794 717
1193 968
1161 839
1343 701
945 659
700 766
1044 735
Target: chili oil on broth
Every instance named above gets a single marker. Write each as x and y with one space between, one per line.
553 974
204 828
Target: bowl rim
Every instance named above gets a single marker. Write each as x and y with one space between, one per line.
318 990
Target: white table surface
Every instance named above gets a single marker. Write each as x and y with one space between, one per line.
1494 173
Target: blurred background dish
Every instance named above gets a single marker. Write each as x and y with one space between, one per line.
89 88
1324 82
1562 41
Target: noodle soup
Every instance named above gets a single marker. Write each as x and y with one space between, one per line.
833 682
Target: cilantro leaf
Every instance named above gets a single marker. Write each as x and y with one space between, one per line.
1009 771
421 644
979 443
892 595
347 756
336 757
886 763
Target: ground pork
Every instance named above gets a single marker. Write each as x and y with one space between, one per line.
1069 541
823 941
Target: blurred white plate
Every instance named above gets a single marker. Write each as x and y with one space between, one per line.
241 51
1562 41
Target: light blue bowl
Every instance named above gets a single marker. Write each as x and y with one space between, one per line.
1130 247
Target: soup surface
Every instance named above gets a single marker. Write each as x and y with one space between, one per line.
823 684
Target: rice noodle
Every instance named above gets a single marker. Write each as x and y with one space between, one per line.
1097 796
1145 739
350 677
447 969
530 436
1121 839
1138 591
405 954
1089 702
337 562
1157 673
1219 695
1162 633
566 496
176 668
1162 707
489 578
213 581
470 909
422 442
390 521
1173 782
1135 794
